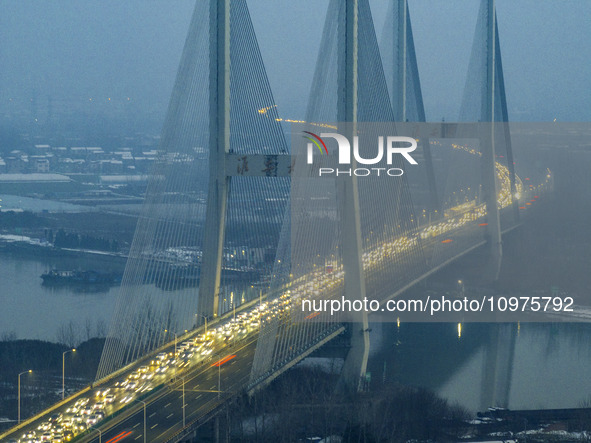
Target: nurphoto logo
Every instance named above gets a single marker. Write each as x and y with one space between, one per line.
394 145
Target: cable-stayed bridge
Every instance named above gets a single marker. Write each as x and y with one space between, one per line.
235 233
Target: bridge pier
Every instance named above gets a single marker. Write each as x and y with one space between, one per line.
354 371
498 367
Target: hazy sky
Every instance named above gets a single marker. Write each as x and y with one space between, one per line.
74 50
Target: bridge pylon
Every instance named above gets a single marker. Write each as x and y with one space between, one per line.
489 175
222 152
355 365
223 162
485 101
219 147
402 73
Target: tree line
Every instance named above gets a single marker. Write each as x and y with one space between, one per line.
305 403
63 239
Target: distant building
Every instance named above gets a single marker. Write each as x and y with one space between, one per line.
33 178
36 183
42 165
17 162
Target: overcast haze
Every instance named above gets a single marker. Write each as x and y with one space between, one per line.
74 50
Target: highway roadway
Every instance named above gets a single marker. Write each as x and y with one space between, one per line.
164 413
228 359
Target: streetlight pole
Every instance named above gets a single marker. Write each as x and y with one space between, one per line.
144 403
99 431
174 359
64 371
205 317
219 374
19 393
174 344
184 402
166 330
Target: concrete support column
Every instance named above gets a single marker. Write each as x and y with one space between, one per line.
219 147
487 138
356 362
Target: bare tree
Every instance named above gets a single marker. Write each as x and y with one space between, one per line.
101 329
68 334
88 328
8 336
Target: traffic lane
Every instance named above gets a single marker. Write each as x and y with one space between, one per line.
160 414
164 415
201 395
164 399
197 406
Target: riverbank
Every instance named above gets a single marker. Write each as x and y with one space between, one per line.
20 245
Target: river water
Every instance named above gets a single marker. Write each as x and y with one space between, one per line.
527 366
33 311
